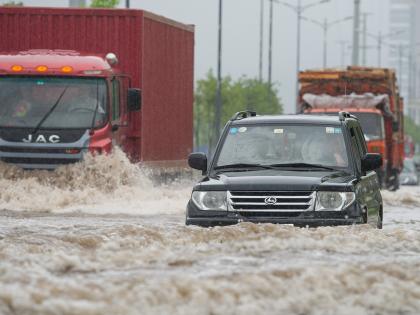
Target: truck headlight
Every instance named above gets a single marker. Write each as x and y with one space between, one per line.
333 200
210 200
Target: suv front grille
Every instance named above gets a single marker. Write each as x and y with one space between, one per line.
271 201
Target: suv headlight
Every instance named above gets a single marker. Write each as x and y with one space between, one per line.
210 200
333 200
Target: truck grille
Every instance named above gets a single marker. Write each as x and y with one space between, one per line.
39 150
271 203
39 161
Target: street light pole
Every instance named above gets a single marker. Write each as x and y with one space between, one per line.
260 72
299 17
299 9
325 27
127 4
380 39
364 55
219 76
324 59
379 49
343 47
270 46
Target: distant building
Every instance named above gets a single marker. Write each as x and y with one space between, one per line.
77 3
404 53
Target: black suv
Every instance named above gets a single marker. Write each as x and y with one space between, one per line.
304 170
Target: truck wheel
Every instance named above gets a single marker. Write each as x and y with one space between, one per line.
394 181
379 225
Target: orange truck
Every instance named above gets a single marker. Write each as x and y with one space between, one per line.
372 95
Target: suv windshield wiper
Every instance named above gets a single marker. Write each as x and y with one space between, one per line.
49 112
303 165
242 166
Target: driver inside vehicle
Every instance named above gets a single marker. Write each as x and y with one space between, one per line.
33 99
325 149
81 99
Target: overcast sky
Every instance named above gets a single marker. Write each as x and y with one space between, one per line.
241 35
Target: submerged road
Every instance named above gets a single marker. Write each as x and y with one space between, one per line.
114 251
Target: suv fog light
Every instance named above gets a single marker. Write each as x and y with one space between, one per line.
333 201
210 200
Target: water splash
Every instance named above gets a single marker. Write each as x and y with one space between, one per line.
100 184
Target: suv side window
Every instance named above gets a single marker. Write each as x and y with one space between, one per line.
361 140
115 99
356 147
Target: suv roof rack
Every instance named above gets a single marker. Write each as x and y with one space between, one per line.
344 115
243 114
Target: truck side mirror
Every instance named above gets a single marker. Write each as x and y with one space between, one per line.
134 100
371 162
395 126
198 161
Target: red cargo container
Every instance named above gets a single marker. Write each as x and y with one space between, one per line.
157 53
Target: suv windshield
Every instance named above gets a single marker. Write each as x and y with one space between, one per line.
25 102
284 144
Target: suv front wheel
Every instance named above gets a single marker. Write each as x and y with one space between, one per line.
379 225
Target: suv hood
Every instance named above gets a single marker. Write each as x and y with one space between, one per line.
278 180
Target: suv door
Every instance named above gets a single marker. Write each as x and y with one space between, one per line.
368 186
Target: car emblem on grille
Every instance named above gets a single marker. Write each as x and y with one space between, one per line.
270 200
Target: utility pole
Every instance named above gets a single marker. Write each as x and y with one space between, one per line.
270 46
219 77
127 4
260 72
356 29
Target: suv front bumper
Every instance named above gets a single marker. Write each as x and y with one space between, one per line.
351 215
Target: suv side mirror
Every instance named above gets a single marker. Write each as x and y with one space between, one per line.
134 100
395 126
371 162
198 161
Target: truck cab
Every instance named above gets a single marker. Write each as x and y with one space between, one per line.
58 105
372 95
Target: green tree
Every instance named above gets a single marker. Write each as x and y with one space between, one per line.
13 4
104 3
411 129
242 94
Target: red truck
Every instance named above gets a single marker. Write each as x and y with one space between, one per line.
372 95
74 81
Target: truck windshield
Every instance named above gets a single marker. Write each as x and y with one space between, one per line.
73 103
372 125
284 144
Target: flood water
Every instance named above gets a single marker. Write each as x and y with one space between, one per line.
100 238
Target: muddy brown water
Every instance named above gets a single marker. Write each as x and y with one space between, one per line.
99 238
